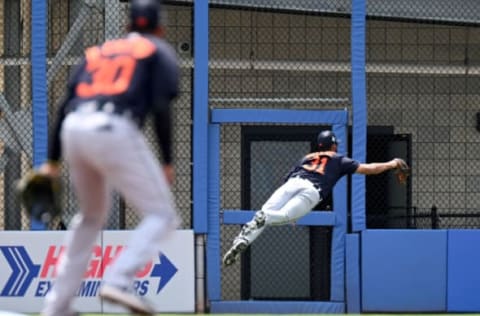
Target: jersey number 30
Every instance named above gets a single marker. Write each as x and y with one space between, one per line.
110 76
111 66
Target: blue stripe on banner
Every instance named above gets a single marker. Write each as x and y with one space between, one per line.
200 116
213 207
39 88
359 101
278 116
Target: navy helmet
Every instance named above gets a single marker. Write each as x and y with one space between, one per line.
326 139
145 15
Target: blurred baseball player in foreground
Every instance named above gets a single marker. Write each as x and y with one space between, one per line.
308 183
98 131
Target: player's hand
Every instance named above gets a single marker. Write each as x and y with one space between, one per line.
169 172
51 169
402 171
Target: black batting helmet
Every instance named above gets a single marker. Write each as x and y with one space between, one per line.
144 15
326 139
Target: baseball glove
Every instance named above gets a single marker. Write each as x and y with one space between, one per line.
402 171
40 195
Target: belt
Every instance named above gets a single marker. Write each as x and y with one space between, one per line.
316 186
106 107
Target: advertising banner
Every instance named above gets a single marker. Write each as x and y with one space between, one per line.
28 266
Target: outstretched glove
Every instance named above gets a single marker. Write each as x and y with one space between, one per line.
40 195
402 171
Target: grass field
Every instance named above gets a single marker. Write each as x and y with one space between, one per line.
288 314
7 313
184 314
429 314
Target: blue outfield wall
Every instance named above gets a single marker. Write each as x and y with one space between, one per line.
463 291
276 307
352 273
416 271
404 270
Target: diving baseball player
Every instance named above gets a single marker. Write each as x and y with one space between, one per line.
98 131
308 183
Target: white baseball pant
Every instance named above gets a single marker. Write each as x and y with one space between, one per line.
104 152
294 199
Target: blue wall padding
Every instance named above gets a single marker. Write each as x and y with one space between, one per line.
213 199
39 90
463 294
337 285
404 270
279 116
360 112
276 307
240 217
39 82
200 116
353 273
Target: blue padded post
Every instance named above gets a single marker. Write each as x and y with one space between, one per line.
213 240
359 106
278 116
353 274
337 286
39 81
200 116
39 89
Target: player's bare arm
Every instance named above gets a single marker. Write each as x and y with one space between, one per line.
376 167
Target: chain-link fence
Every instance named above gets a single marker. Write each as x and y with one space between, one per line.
74 25
275 55
254 161
431 218
423 81
423 94
15 109
421 68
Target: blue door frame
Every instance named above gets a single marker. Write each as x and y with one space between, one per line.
336 219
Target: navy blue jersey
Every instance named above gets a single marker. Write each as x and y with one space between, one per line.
131 72
324 169
138 73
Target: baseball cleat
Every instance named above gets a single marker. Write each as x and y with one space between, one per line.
234 252
260 218
257 222
125 298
